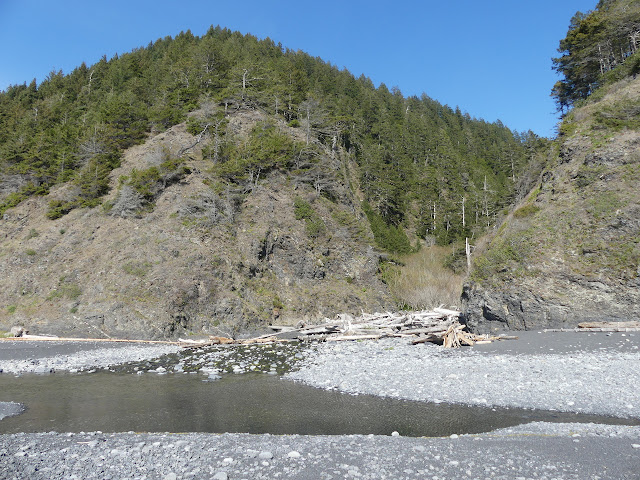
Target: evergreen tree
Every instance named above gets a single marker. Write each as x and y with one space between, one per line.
597 43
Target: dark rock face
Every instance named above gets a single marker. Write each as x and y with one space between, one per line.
491 312
517 308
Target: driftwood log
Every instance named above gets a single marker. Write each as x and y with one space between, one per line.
632 326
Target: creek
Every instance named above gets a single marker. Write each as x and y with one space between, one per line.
240 390
250 403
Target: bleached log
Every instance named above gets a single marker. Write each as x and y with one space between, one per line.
426 315
221 340
353 337
445 311
202 341
312 338
616 325
251 341
38 338
421 331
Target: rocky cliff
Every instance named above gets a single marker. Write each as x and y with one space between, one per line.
571 251
179 251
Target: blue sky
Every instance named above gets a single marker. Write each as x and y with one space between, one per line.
491 58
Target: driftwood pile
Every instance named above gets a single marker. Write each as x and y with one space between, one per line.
440 326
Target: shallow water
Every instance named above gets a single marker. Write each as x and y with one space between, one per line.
249 403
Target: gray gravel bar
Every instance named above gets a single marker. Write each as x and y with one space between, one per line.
597 380
21 356
9 409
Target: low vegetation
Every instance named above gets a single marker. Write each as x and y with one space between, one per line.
303 210
421 281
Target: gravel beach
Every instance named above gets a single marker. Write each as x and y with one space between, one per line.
576 372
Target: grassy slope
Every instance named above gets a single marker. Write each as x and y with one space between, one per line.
575 239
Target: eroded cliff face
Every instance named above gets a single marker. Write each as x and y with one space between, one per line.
571 251
204 258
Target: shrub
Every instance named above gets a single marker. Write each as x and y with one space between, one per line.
59 208
422 281
70 291
142 187
526 211
265 149
15 198
505 251
587 175
603 205
315 226
278 303
620 115
302 209
194 127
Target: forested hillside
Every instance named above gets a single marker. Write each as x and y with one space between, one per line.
213 184
423 168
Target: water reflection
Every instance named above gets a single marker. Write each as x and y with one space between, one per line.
251 403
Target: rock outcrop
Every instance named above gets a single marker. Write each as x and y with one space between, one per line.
571 251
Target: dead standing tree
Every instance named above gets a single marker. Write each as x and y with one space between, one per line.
312 115
247 81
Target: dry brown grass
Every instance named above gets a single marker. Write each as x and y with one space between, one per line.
423 282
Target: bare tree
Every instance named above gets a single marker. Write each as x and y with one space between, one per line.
313 115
